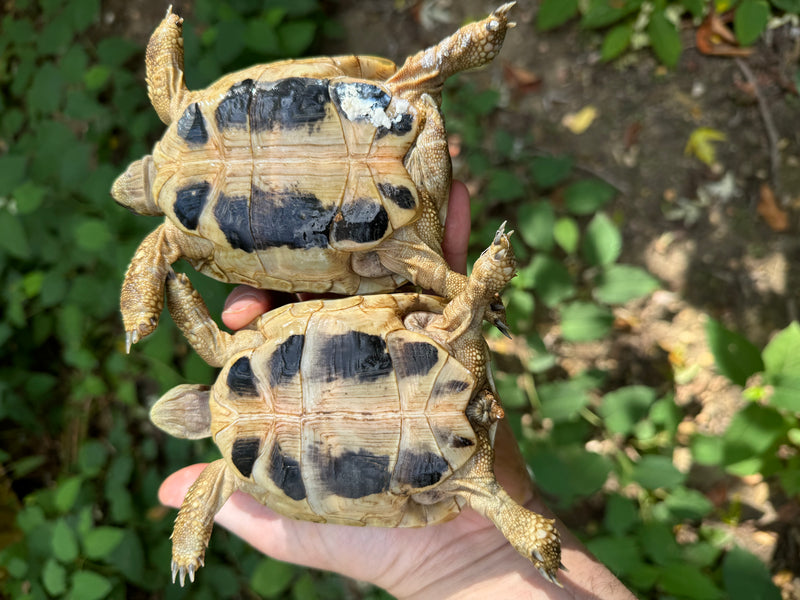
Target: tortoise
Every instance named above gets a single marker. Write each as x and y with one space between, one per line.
367 410
326 174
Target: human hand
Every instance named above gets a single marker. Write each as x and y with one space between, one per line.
467 556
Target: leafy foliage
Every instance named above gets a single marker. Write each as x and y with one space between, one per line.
635 23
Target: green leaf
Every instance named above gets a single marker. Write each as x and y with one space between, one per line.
271 577
746 577
96 77
658 542
620 554
64 544
696 7
624 407
550 279
735 357
13 237
536 221
504 185
92 234
12 172
787 5
44 95
549 171
602 242
618 284
584 322
553 13
782 354
665 39
54 578
653 472
29 197
708 450
564 400
296 36
621 514
685 503
100 541
67 493
82 13
602 13
567 234
751 435
260 37
616 41
88 585
750 21
686 581
115 51
570 472
586 196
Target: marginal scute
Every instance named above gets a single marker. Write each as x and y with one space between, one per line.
415 359
420 469
399 194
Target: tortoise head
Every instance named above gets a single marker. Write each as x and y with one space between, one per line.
184 412
133 189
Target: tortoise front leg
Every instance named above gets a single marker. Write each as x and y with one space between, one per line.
142 295
164 67
196 518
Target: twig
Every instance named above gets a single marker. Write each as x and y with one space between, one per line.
769 125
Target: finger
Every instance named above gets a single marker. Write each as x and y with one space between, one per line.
245 304
456 228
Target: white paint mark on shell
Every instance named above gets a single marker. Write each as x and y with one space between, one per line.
356 106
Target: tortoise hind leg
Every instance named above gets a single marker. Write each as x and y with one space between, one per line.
164 65
196 518
532 535
471 46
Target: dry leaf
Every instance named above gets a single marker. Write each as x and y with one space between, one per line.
774 215
519 80
700 144
580 121
715 38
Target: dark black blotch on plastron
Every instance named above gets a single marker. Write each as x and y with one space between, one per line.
357 355
244 454
284 363
288 218
362 221
234 108
284 471
415 358
241 379
399 126
458 441
399 194
292 102
420 470
370 98
189 203
353 474
192 126
233 217
452 386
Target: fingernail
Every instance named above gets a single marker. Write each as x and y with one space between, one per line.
241 303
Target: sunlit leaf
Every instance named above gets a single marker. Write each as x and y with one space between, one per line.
602 241
665 39
616 41
750 20
583 322
746 577
701 145
620 283
734 356
586 196
553 13
536 221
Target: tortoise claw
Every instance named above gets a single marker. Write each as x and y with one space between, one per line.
502 328
131 337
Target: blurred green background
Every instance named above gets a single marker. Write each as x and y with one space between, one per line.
81 464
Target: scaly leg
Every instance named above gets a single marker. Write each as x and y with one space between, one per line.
191 315
196 518
532 535
471 46
164 66
142 295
